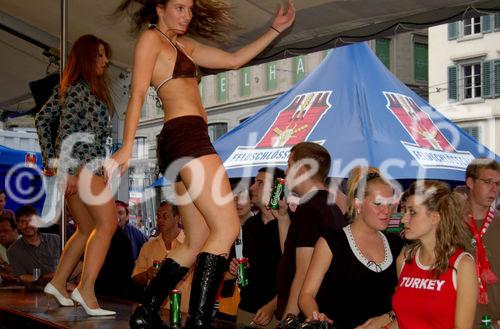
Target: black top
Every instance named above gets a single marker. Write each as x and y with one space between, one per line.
115 277
308 222
229 284
351 293
261 245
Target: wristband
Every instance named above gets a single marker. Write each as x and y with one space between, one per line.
275 29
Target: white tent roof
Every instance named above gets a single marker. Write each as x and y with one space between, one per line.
320 24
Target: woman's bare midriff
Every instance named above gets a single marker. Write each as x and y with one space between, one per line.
181 97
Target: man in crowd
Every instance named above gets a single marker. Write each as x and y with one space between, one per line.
261 246
136 237
168 224
230 295
308 167
33 249
114 279
8 235
483 181
5 212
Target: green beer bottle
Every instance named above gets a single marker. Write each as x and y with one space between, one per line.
242 279
175 308
277 193
486 322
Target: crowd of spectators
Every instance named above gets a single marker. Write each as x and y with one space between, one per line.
314 258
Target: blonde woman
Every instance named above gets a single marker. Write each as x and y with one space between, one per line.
352 274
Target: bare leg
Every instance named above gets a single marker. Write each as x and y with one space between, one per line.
73 249
223 222
195 229
222 219
174 268
104 216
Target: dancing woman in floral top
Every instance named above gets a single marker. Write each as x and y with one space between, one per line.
73 126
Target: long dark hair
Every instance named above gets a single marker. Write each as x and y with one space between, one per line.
211 19
81 64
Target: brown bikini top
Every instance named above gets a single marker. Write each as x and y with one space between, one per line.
184 66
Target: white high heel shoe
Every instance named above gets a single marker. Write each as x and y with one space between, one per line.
50 290
77 298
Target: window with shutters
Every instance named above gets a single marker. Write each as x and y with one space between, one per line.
471 77
478 79
216 130
421 61
476 26
487 79
472 131
452 83
472 26
452 31
496 78
139 150
497 22
383 51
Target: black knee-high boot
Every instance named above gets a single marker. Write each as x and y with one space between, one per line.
206 282
147 314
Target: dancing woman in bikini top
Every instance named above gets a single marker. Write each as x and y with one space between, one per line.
167 59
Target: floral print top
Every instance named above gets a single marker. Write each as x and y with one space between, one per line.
74 132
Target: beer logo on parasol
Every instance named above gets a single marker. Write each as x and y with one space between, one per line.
292 125
30 160
428 144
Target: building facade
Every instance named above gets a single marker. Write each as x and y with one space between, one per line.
464 75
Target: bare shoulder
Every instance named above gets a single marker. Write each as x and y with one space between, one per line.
402 255
401 260
149 39
466 263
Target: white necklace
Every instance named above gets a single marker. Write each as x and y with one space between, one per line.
370 264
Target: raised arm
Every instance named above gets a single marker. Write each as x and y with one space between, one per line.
214 58
320 262
145 55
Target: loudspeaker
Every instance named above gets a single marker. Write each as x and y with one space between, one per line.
42 89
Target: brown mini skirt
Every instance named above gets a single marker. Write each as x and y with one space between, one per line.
185 138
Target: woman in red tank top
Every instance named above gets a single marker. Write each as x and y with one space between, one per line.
437 286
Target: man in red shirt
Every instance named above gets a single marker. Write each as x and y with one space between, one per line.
483 180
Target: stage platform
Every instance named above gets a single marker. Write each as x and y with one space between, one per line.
32 309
